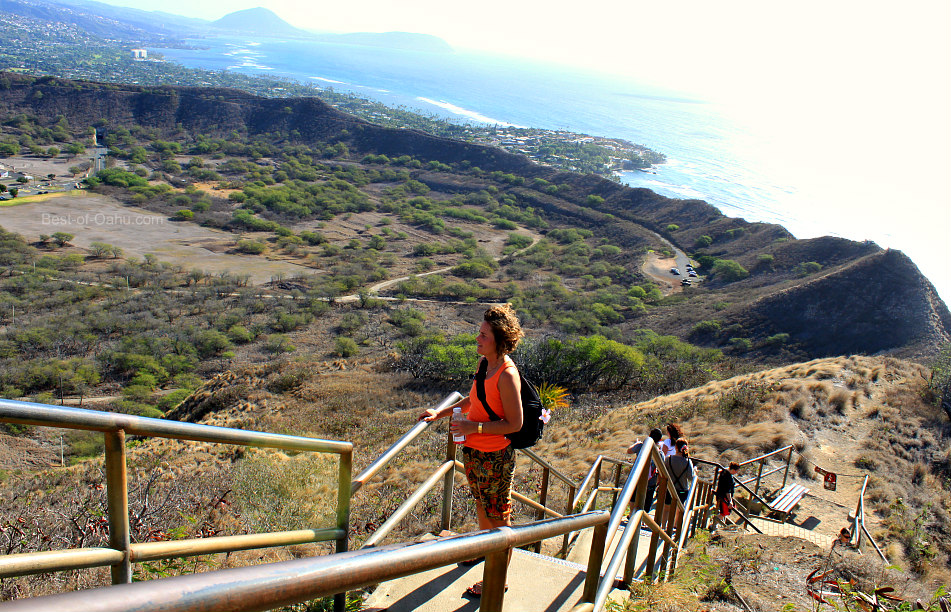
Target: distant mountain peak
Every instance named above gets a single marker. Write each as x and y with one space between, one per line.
258 20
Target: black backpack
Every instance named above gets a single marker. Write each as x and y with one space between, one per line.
531 431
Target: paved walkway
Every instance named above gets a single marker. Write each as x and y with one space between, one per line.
774 528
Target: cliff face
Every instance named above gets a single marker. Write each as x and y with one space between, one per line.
865 301
877 303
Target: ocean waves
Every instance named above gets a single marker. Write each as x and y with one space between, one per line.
468 114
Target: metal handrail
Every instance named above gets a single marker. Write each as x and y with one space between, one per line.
748 490
122 552
400 513
45 415
766 456
271 585
649 453
408 438
860 523
545 464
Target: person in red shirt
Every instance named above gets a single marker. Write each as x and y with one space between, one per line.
488 457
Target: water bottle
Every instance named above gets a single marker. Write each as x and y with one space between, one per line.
457 416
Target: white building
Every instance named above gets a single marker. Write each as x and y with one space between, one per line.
140 54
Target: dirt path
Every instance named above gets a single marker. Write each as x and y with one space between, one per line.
496 242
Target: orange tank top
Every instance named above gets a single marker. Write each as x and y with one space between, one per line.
477 412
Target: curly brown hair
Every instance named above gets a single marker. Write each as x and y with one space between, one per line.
675 432
505 328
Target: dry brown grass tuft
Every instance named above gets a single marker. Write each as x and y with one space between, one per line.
840 399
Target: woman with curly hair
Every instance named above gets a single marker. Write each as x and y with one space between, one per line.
488 456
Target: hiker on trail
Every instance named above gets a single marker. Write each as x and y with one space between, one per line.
680 469
674 433
655 434
488 457
724 492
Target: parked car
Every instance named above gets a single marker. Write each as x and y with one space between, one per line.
674 271
685 282
691 273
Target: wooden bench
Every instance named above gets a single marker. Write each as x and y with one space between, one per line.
787 500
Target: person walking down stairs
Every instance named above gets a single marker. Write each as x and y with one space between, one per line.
724 494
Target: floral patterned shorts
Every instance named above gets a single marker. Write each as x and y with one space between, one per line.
490 479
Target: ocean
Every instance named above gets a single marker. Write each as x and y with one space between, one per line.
760 172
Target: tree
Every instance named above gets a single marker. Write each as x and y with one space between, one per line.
99 249
62 238
52 152
74 150
51 175
14 192
3 188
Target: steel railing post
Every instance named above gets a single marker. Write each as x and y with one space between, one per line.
117 492
759 476
543 500
639 501
493 580
344 479
595 560
448 485
788 463
617 484
659 511
572 491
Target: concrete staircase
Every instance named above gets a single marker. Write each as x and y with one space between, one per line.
536 583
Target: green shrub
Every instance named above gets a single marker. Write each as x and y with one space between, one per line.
706 328
703 242
673 227
729 271
239 334
741 344
173 399
278 343
475 269
251 247
345 347
211 342
777 339
806 268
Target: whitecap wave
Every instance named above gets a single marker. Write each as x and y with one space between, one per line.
328 80
249 64
463 112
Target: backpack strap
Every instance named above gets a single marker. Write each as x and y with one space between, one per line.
682 472
480 389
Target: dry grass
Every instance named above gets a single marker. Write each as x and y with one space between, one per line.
893 433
